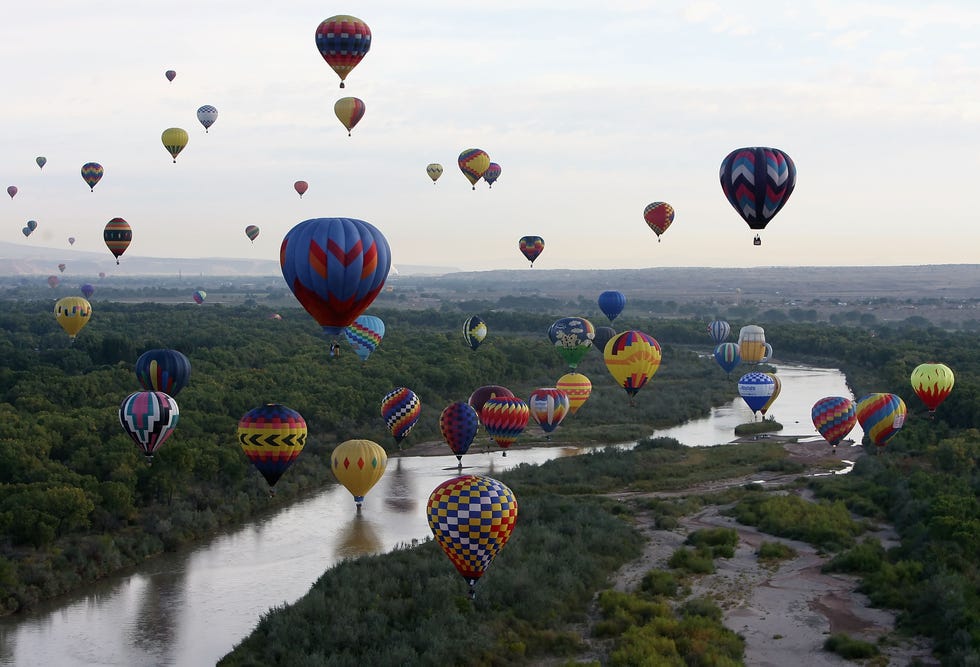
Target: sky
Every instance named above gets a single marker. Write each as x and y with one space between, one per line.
592 110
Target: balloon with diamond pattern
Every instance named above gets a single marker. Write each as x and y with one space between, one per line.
834 417
358 465
401 408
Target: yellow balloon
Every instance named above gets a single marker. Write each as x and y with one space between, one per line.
577 386
174 139
434 171
358 465
632 357
778 386
72 313
752 344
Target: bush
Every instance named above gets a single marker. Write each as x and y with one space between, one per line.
862 558
660 582
775 551
721 542
705 607
850 648
695 562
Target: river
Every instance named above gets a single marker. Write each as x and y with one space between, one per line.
190 608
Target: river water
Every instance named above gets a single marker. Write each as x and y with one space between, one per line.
190 608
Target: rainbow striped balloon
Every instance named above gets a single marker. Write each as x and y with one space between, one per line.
365 334
505 418
881 416
548 407
834 417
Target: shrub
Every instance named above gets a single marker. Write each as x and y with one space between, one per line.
705 607
850 648
775 551
862 558
694 561
660 582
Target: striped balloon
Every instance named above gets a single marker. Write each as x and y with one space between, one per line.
727 356
548 406
117 236
252 232
92 173
349 111
343 41
719 331
272 437
757 183
632 357
505 418
755 389
492 174
881 416
473 162
471 518
163 370
149 417
577 386
458 424
834 417
531 247
365 334
401 408
932 384
658 217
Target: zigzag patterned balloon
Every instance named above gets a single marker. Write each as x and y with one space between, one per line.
505 418
401 408
834 417
272 436
757 183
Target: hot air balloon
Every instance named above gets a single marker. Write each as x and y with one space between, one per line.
335 268
719 331
474 331
365 334
572 336
199 296
632 358
434 171
548 406
117 235
149 417
358 465
658 217
26 231
53 281
777 387
72 313
752 344
757 183
88 290
727 356
343 41
92 173
349 111
32 225
505 418
611 303
102 274
471 518
301 187
71 240
481 395
401 409
473 162
932 383
881 416
41 161
458 423
252 232
492 174
602 336
11 190
170 74
163 370
577 387
755 389
206 115
272 436
531 247
833 417
174 139
62 267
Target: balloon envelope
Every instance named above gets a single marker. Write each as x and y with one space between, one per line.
206 115
474 331
117 236
401 409
11 190
252 232
473 162
343 41
777 387
358 465
577 387
505 418
719 331
458 424
174 140
531 247
481 395
752 344
881 416
632 358
53 281
755 389
41 161
572 336
32 225
272 436
149 417
365 334
611 303
335 268
548 407
658 216
932 383
163 370
349 111
199 296
727 356
602 336
471 518
434 171
170 74
301 187
72 313
88 290
757 183
834 417
492 174
92 173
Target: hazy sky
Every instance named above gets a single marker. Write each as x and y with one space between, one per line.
593 110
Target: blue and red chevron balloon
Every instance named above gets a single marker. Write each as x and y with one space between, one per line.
401 408
757 183
335 268
272 436
458 424
471 517
881 416
365 334
505 418
834 417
